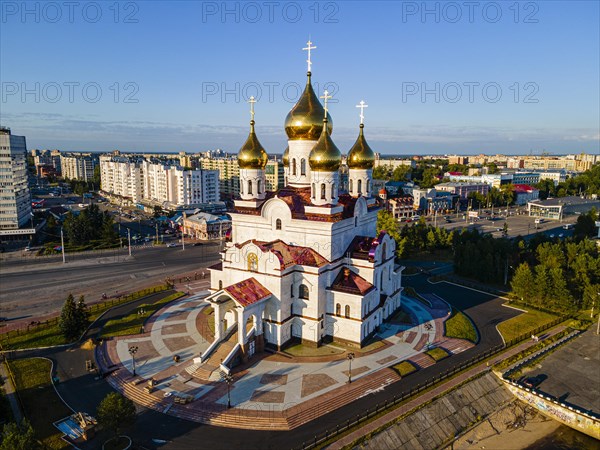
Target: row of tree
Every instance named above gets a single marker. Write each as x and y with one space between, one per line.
74 318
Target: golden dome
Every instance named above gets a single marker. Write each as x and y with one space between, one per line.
325 156
305 120
286 156
360 155
252 155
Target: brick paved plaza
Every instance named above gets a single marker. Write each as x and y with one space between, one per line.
272 390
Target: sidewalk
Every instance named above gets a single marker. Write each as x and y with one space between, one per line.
430 395
10 393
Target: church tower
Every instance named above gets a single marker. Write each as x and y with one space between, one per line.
303 126
360 162
252 159
324 161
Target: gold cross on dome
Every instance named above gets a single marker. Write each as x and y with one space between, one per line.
362 105
325 97
309 48
252 101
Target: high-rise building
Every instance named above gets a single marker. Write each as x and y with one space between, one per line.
15 199
78 166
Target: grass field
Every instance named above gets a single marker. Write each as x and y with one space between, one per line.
41 404
132 323
305 350
50 335
437 353
404 368
460 326
524 324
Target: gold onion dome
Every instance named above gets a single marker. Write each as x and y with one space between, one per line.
325 156
252 155
286 156
304 121
360 155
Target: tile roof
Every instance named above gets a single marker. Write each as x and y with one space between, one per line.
351 283
248 292
290 255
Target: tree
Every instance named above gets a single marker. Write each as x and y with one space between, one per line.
18 437
70 320
82 315
523 283
400 173
585 226
116 412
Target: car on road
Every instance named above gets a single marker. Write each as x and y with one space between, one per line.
551 236
498 229
561 235
172 244
568 226
533 382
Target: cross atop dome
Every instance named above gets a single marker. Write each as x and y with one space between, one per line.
309 48
362 105
325 97
252 101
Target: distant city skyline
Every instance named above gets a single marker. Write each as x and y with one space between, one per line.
439 78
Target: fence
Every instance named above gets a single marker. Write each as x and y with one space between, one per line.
396 400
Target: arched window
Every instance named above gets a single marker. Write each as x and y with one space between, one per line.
294 166
278 224
302 166
314 194
249 187
258 187
356 221
323 196
383 252
220 284
252 262
292 290
351 185
303 292
360 186
338 309
347 311
368 185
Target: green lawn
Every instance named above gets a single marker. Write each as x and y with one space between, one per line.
437 353
41 404
306 350
524 324
47 335
404 368
460 326
372 344
132 323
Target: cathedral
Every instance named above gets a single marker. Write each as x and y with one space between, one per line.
305 263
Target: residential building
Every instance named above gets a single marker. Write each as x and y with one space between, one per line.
78 166
464 189
15 198
229 174
121 179
525 193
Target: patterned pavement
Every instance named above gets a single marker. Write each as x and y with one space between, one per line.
270 386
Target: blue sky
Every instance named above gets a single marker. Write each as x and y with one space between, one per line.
171 76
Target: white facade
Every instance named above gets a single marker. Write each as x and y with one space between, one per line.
15 198
360 182
121 177
78 166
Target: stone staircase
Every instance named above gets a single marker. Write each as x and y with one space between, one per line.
208 371
422 360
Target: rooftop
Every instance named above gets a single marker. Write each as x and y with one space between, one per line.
351 283
248 292
564 201
290 255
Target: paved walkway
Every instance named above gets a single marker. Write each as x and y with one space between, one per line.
429 395
270 384
9 391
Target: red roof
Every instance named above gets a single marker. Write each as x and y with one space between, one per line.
455 173
248 292
350 282
522 188
290 255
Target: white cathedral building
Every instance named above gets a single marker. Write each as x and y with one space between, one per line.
305 263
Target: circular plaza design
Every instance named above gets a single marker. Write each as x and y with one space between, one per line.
272 390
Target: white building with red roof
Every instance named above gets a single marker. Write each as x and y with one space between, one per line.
305 263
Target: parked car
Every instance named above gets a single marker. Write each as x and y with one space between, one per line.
172 244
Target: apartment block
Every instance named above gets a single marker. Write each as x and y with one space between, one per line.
15 198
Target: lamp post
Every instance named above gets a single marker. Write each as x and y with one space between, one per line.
132 351
350 357
229 380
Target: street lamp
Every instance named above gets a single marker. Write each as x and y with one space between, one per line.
132 351
229 380
350 357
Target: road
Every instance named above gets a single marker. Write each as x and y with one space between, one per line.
32 288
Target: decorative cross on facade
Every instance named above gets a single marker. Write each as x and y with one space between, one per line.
325 97
362 105
252 101
309 48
